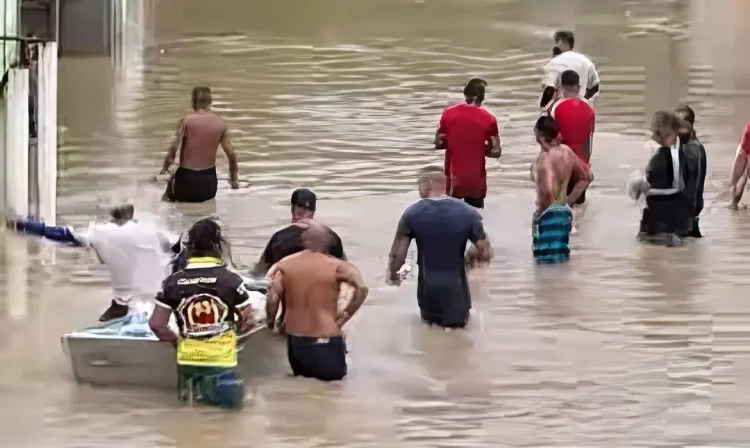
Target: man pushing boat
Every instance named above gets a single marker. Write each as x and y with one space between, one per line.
307 283
117 244
212 307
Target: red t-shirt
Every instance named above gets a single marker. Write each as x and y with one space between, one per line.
467 131
575 121
745 142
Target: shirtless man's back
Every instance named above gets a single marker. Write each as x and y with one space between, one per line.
307 284
199 136
556 167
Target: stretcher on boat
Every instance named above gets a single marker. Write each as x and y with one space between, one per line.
127 353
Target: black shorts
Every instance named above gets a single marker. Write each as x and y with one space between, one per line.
192 185
320 358
582 198
474 202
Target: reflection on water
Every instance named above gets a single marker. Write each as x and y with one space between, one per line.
628 345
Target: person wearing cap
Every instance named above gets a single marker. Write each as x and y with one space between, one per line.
741 169
288 240
468 133
118 244
568 59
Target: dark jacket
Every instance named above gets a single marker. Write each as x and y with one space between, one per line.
667 213
695 157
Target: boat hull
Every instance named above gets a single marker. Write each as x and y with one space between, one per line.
147 362
127 353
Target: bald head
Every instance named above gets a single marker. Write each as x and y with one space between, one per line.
432 182
316 237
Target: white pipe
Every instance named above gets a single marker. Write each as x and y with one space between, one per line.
23 142
52 115
47 133
17 143
10 142
41 130
130 76
3 152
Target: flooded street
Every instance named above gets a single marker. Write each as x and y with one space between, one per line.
626 346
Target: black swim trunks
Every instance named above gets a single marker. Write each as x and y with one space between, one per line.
320 358
192 185
474 202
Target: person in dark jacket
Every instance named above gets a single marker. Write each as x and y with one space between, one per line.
668 216
695 161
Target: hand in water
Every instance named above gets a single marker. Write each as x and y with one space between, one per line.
12 223
471 259
280 326
393 279
440 142
235 184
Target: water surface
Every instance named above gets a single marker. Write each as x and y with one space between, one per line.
627 346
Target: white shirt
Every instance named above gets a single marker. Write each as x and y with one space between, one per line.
136 254
571 60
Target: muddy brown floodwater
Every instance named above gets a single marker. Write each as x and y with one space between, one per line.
626 346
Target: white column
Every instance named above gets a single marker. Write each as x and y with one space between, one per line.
129 71
3 153
47 132
17 143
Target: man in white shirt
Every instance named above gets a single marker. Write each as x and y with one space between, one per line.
137 254
568 59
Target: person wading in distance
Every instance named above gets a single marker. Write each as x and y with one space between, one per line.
199 135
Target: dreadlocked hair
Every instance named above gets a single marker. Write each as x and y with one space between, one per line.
204 239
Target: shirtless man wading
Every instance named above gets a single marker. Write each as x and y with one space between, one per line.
308 283
556 167
199 135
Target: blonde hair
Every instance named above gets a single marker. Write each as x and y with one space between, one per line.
431 173
662 120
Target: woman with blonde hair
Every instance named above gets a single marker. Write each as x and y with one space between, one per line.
668 216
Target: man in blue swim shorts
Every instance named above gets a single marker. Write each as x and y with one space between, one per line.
556 167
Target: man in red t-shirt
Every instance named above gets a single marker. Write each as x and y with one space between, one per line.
575 120
468 133
741 169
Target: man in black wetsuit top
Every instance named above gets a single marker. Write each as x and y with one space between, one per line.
442 227
288 240
695 163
